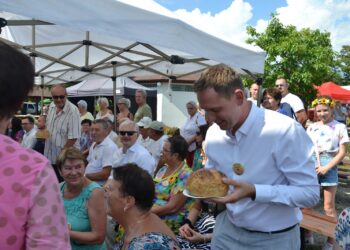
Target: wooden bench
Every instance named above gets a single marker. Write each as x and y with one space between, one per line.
344 174
318 223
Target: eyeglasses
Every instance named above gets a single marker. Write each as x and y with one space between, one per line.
58 96
25 123
128 133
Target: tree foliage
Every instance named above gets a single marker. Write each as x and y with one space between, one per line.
303 57
344 64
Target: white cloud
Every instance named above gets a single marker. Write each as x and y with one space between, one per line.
230 24
326 15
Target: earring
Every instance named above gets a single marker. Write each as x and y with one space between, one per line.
125 208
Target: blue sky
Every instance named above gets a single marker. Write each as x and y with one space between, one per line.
262 9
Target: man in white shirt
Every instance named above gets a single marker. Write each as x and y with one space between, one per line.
156 133
132 151
254 93
29 137
144 139
269 174
294 101
102 153
63 124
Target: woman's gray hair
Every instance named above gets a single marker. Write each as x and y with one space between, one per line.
103 100
126 101
192 103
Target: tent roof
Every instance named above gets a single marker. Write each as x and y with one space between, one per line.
89 35
333 90
103 87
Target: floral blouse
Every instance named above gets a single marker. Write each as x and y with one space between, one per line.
168 187
152 240
328 136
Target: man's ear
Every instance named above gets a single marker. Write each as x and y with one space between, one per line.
239 94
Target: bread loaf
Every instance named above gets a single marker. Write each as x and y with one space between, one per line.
206 183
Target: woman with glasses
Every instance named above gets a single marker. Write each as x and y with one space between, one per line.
83 202
124 112
129 199
170 203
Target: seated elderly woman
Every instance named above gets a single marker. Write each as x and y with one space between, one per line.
170 204
129 198
104 113
83 202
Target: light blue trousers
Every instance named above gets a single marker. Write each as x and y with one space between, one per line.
228 236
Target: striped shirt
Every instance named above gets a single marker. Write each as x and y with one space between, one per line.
62 126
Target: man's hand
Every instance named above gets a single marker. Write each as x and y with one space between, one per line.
241 190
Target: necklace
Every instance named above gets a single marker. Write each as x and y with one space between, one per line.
167 175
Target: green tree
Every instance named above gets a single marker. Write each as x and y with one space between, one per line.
344 64
303 57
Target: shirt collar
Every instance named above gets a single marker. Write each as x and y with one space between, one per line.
247 124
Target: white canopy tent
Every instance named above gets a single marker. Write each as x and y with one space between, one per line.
104 87
90 36
73 40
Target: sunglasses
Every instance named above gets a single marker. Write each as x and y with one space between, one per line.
58 96
128 133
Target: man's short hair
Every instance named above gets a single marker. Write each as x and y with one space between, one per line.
142 91
16 79
128 122
223 79
102 122
30 119
84 121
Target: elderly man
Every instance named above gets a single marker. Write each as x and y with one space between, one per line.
254 93
29 137
144 139
144 109
293 100
156 133
63 124
266 190
132 151
84 114
101 153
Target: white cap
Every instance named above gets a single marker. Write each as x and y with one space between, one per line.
144 122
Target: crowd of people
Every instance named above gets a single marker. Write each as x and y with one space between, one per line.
71 180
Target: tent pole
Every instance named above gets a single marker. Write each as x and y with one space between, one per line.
114 79
42 94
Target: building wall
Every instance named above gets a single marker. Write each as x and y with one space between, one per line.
171 104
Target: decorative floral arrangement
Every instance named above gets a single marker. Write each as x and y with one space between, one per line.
324 101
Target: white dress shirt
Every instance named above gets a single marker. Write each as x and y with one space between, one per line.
276 154
29 138
140 156
189 129
102 155
155 148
